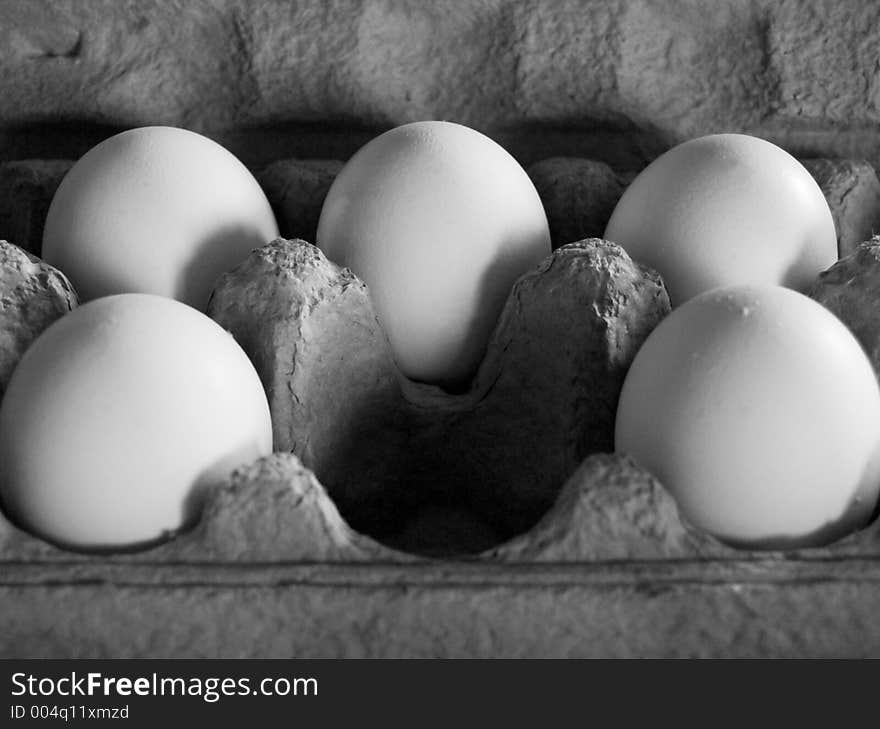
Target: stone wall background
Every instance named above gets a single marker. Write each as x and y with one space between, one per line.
613 80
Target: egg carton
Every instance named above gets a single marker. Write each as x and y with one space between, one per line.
397 519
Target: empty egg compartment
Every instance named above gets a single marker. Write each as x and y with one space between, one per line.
492 522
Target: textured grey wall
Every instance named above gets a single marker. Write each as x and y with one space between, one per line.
616 80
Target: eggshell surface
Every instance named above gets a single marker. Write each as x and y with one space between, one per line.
156 210
119 416
439 221
758 410
726 209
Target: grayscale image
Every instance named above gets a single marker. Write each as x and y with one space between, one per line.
458 329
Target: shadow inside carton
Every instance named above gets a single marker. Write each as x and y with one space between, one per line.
255 146
542 400
443 530
518 256
401 477
259 145
53 138
211 257
429 503
617 142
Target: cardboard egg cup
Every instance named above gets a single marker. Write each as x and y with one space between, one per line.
486 523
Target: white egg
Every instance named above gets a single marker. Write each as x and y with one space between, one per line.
726 209
119 416
758 410
439 221
155 210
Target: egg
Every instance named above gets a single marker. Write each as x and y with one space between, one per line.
760 413
722 210
439 221
119 417
155 210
